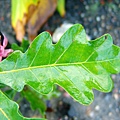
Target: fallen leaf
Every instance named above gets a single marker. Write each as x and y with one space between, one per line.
44 10
20 16
33 12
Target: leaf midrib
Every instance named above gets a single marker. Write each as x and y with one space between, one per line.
2 111
53 65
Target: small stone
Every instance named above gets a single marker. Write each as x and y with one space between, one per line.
110 10
60 103
90 19
66 117
86 7
84 2
103 24
117 110
116 96
119 91
110 105
108 27
113 77
97 107
110 114
8 15
91 114
100 29
95 32
102 17
97 18
75 118
107 97
82 15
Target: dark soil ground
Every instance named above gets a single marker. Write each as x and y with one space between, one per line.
98 18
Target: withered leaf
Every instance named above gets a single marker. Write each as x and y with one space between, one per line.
32 13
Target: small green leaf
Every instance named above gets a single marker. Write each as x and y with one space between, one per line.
2 86
25 44
9 110
10 93
74 63
14 47
23 47
61 7
36 102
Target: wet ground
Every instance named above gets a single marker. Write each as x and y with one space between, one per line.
98 18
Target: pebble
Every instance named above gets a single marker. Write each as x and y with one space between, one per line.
107 97
110 106
102 17
90 19
98 19
110 10
108 27
61 30
97 107
82 15
117 110
110 114
119 90
113 77
100 29
86 7
91 114
75 118
95 32
103 24
66 117
116 96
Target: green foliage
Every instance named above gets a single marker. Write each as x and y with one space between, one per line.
74 63
23 47
35 100
38 101
9 110
61 7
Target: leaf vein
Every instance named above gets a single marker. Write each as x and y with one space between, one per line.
52 65
4 113
94 51
63 53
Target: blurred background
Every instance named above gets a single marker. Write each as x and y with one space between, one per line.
98 17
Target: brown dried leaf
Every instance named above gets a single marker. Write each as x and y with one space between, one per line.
44 10
19 30
31 13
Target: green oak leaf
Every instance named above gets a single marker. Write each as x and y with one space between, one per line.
74 63
9 110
